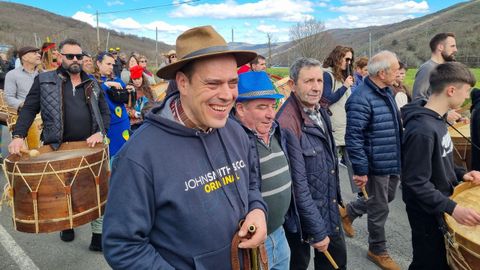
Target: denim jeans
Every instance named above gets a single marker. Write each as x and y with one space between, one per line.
278 250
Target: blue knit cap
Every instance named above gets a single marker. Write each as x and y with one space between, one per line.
256 85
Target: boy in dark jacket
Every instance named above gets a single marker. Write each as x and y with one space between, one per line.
428 171
475 128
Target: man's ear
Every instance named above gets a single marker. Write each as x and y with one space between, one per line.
450 90
239 109
182 82
291 83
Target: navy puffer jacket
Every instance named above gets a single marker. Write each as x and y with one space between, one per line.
374 128
319 159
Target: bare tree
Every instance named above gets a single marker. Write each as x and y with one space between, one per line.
310 39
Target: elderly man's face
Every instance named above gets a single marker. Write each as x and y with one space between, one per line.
209 95
258 115
392 73
309 86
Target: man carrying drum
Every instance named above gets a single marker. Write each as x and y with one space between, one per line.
182 184
429 174
67 102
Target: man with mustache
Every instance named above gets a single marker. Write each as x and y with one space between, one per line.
181 185
64 97
444 48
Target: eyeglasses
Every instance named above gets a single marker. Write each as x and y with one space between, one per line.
173 56
143 61
70 56
348 59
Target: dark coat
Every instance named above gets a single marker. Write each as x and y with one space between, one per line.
475 129
374 131
302 216
316 158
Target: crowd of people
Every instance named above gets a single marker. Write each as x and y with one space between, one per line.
220 155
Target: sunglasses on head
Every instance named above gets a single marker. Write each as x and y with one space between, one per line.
70 56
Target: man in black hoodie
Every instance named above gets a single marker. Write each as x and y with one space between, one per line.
475 128
428 172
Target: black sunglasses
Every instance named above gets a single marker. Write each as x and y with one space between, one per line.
348 59
70 56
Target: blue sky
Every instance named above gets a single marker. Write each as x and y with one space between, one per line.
250 19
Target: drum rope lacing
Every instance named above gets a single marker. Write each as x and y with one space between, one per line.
34 193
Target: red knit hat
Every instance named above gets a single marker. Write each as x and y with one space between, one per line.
136 72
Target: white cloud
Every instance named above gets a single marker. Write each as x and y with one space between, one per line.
87 18
322 4
285 10
126 24
265 28
363 13
115 3
89 6
165 27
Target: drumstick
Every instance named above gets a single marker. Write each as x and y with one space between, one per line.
31 153
330 259
365 194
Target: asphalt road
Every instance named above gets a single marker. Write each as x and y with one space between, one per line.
46 251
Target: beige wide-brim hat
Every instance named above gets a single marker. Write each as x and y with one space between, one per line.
201 42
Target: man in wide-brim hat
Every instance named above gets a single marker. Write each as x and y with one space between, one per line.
182 184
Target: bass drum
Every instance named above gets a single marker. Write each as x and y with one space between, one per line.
463 245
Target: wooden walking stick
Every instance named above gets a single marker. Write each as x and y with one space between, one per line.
330 259
365 194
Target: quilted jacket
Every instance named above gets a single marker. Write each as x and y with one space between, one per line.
374 131
319 159
46 97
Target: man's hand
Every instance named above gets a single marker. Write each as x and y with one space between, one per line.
256 217
116 85
360 180
16 145
453 116
94 139
466 216
322 245
472 176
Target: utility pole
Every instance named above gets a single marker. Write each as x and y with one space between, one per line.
233 40
156 46
98 35
369 45
35 37
108 40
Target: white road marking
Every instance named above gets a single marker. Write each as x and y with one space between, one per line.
15 251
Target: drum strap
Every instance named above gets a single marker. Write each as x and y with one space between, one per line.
465 137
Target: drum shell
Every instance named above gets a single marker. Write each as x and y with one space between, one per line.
462 153
55 180
468 250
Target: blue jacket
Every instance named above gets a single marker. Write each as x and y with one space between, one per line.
177 195
316 158
302 216
374 130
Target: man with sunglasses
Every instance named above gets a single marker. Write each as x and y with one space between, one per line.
66 99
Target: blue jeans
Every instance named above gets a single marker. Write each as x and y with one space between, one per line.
278 250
